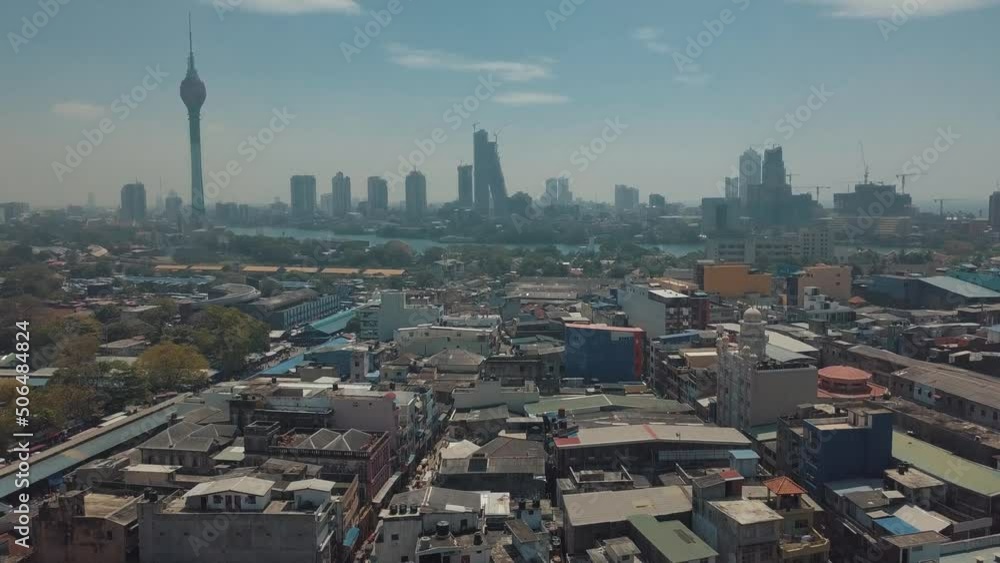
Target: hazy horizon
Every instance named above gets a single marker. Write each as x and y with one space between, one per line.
549 82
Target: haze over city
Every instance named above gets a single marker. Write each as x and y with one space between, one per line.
361 100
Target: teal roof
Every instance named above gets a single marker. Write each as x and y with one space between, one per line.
334 323
945 465
672 539
593 403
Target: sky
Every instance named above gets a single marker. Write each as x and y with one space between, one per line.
659 94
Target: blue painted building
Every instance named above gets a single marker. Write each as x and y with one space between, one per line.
605 354
858 446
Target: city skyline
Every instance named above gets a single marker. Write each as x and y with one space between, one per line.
548 102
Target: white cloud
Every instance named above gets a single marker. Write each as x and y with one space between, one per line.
78 110
886 8
650 38
530 98
292 7
430 59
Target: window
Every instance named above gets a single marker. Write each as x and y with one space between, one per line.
404 558
251 499
108 535
394 537
217 499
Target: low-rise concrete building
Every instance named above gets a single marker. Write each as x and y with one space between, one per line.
241 519
86 527
591 517
427 340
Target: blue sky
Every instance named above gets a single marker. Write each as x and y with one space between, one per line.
559 79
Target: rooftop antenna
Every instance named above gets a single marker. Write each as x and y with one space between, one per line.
190 35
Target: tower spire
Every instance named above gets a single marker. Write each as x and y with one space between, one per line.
191 69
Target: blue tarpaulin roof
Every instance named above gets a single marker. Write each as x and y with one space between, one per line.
896 526
351 537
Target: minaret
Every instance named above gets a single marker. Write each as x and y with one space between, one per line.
193 95
752 332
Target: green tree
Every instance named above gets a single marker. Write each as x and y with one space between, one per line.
172 367
35 279
227 336
77 350
107 314
115 384
55 405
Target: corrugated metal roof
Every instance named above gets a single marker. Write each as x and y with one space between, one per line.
945 466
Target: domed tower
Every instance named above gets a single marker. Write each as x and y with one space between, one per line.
193 95
752 334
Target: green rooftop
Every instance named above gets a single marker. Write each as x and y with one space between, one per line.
945 465
672 539
594 403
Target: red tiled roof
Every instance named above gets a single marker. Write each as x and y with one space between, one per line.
783 486
730 474
845 373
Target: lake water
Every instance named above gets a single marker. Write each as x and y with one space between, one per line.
421 245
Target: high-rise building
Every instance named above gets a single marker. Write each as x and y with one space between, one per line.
750 173
733 188
489 186
341 204
416 194
563 194
657 201
773 171
558 192
172 207
227 213
719 215
193 94
626 198
303 196
378 195
995 211
91 201
326 204
465 183
133 209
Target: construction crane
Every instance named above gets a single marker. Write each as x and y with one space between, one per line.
864 161
902 179
811 188
943 200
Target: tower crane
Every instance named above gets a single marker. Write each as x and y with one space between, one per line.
864 161
811 188
945 199
902 179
